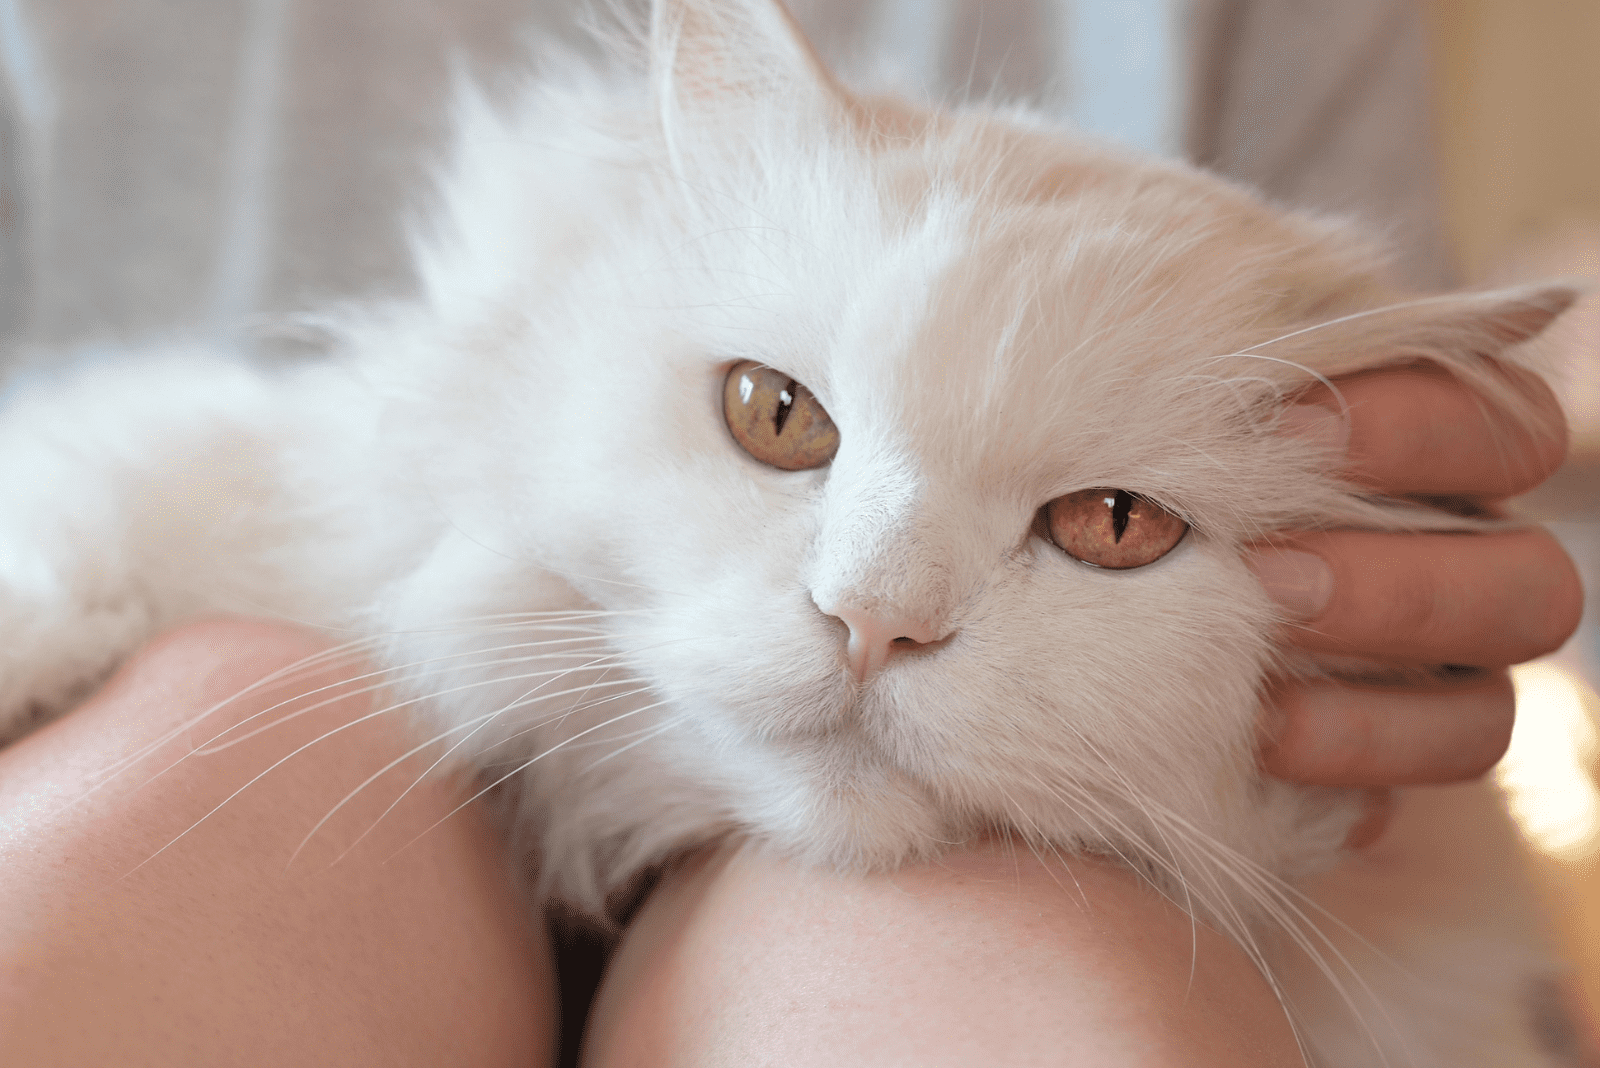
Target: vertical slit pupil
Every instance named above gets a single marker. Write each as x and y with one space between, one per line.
785 404
1121 508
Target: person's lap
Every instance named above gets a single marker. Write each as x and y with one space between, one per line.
123 943
412 948
990 956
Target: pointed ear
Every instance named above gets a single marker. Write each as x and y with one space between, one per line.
1454 329
731 55
1473 336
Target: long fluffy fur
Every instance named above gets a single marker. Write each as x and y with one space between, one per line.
995 314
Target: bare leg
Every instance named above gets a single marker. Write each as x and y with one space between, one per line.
122 943
988 958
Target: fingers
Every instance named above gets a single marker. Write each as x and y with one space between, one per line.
1333 735
1483 600
1415 431
1415 600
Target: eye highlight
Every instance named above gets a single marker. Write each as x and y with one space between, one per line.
776 419
1112 528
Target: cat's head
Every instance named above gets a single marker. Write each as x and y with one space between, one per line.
922 445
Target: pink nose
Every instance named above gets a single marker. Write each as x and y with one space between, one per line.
874 638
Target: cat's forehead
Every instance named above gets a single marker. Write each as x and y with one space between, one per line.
994 304
1049 339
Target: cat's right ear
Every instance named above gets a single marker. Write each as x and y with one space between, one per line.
715 59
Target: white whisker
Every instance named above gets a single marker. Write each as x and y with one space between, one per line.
481 721
253 780
644 736
213 746
374 777
349 650
520 768
110 772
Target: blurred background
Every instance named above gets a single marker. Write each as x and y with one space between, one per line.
1516 89
209 167
203 166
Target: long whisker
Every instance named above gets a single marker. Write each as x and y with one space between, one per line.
1038 836
482 721
255 779
213 746
296 752
335 698
569 712
581 706
520 768
645 736
1285 903
374 777
1168 860
528 697
1338 394
1403 305
347 650
121 764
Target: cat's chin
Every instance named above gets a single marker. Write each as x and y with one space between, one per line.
847 811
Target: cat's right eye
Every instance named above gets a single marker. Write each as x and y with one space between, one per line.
776 419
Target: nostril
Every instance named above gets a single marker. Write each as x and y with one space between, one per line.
871 641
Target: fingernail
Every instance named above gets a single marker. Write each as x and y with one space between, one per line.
1317 424
1300 582
1316 733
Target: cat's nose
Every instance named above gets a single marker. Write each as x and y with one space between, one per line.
875 637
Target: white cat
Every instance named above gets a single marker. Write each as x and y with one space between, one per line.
767 458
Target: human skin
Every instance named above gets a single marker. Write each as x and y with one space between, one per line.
125 941
217 950
1483 601
993 955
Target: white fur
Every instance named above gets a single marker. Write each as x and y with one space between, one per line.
521 485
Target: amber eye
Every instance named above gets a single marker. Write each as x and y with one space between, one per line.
776 419
1112 528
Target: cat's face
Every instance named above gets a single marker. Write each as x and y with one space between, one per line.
993 319
980 357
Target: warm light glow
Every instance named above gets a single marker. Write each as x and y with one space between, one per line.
1546 772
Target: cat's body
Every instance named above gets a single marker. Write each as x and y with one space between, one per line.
522 491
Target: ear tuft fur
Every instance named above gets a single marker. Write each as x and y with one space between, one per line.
1452 329
1475 336
1513 316
720 55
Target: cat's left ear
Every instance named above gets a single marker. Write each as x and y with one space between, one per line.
715 58
1451 328
1468 334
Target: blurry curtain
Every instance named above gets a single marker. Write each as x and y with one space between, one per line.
184 166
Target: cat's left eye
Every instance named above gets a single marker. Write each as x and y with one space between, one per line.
776 419
1112 528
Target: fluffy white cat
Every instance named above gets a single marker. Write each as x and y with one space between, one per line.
764 458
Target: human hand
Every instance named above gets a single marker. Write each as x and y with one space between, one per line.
1476 602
